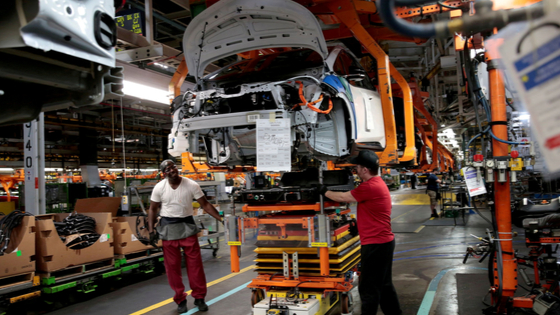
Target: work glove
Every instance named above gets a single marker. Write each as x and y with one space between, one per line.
154 238
322 189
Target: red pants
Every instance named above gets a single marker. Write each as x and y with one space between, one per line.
193 263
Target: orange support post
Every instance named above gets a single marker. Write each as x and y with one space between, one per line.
410 150
324 261
234 258
502 195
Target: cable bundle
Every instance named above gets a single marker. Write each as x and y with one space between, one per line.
77 231
7 224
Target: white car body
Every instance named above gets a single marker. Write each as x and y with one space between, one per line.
223 113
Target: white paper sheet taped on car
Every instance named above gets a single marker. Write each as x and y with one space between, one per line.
273 145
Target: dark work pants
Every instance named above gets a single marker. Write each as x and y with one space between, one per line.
376 283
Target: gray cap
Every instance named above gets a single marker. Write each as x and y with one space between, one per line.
163 165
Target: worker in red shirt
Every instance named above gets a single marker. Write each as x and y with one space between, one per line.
377 240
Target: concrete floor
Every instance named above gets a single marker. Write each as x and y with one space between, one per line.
419 256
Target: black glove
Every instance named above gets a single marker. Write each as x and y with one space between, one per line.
154 238
322 189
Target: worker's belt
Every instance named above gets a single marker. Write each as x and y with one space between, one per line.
171 229
170 220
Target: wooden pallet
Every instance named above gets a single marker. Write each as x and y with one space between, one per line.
140 254
79 269
16 279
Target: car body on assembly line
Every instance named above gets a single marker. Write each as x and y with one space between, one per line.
323 91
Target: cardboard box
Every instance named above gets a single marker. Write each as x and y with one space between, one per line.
125 236
98 205
53 255
19 257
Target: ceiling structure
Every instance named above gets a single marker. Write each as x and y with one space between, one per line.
152 62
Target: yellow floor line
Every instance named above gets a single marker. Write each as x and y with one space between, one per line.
209 284
402 215
419 229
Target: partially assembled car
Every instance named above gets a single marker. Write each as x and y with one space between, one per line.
324 91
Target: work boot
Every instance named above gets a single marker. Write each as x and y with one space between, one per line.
434 215
182 308
201 305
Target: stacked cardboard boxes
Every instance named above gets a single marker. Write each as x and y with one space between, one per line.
52 254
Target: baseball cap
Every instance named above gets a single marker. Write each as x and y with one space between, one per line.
366 158
163 165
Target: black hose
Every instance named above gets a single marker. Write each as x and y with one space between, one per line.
484 19
386 8
7 225
446 6
480 214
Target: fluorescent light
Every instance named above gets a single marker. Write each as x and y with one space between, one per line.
146 92
6 169
442 125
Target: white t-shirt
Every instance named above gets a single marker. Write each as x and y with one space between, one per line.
176 203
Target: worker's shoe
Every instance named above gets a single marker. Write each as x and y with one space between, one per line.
201 305
435 215
182 308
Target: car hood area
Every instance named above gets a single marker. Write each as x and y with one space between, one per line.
232 27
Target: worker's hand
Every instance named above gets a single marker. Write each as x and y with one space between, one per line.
154 238
322 189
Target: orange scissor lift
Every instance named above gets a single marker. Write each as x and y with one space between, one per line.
305 252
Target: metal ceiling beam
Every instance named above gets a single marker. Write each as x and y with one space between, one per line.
179 14
141 41
183 4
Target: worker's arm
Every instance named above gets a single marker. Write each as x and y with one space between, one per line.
438 181
152 214
340 196
209 208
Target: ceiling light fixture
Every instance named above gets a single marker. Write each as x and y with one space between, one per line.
146 92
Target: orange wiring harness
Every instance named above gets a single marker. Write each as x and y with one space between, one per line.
310 105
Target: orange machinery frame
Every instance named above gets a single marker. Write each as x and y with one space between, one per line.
10 181
265 282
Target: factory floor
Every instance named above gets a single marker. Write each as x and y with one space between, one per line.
427 262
